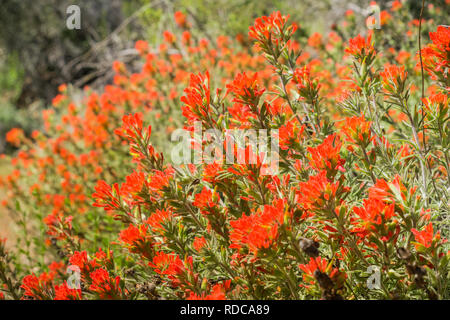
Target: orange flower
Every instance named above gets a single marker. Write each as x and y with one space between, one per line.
15 136
217 292
199 243
196 98
314 193
361 48
245 89
426 237
376 218
436 56
206 200
315 40
393 78
142 47
357 130
137 239
326 155
180 19
104 285
63 292
260 229
271 27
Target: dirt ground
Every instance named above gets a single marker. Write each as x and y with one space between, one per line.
5 220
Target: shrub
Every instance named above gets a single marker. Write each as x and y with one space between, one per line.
363 174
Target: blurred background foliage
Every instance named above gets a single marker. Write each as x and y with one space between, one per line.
38 52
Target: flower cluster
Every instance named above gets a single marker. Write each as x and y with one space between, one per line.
363 171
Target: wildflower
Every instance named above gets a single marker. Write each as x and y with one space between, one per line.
15 136
260 229
326 155
437 102
290 134
180 19
137 239
357 130
315 40
393 78
376 217
264 26
106 197
142 47
132 127
63 292
316 192
199 243
308 86
361 48
104 285
171 266
206 199
157 219
196 98
217 293
169 37
245 89
326 275
36 287
436 58
426 237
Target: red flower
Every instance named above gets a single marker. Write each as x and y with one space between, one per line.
169 36
357 130
180 18
32 286
375 218
105 286
137 239
245 89
63 292
81 260
106 197
307 85
271 27
158 218
142 47
425 237
171 265
217 292
196 98
393 78
289 134
319 265
314 264
361 48
315 40
37 287
326 156
314 193
260 229
14 136
206 200
199 243
132 127
437 102
436 56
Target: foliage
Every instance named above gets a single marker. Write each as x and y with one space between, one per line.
362 182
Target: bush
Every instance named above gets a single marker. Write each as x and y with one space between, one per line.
363 171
